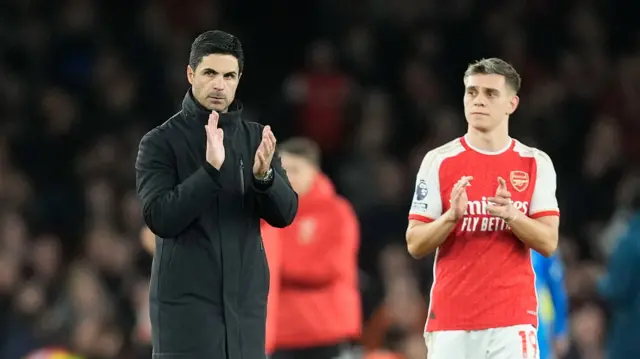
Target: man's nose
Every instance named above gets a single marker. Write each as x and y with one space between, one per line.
218 83
479 101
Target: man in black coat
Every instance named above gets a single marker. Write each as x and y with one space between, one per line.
206 178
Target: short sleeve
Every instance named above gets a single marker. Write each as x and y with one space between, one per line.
543 201
427 202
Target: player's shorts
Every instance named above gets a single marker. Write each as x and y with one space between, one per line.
514 342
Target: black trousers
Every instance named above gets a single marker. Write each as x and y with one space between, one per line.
322 352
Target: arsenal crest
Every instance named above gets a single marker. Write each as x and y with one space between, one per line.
519 180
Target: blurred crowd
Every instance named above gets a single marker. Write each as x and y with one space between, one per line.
376 83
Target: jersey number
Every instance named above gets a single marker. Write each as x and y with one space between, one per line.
529 338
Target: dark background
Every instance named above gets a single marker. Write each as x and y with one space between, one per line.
377 83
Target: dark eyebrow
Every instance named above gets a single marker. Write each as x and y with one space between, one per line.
475 88
207 69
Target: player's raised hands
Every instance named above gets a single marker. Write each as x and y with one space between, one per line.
215 145
500 205
459 199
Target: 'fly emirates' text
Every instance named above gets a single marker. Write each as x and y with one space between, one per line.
476 218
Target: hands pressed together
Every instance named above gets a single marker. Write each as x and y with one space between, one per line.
215 152
500 205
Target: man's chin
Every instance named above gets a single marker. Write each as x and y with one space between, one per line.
482 125
220 109
217 105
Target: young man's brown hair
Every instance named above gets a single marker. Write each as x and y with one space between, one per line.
496 66
302 147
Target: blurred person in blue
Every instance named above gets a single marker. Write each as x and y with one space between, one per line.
553 342
620 289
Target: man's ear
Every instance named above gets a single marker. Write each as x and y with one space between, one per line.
515 101
190 74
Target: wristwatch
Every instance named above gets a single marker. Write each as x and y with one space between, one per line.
266 178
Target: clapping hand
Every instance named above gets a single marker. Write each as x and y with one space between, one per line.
501 206
264 154
215 146
459 198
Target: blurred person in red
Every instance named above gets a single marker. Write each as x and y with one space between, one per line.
318 311
272 249
481 203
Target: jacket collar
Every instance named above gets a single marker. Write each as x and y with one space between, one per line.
194 110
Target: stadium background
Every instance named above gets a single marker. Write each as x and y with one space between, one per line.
82 80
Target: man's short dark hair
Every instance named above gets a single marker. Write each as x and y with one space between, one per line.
302 147
215 42
496 66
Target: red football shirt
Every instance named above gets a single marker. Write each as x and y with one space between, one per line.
483 277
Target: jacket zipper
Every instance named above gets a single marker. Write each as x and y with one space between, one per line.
242 180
